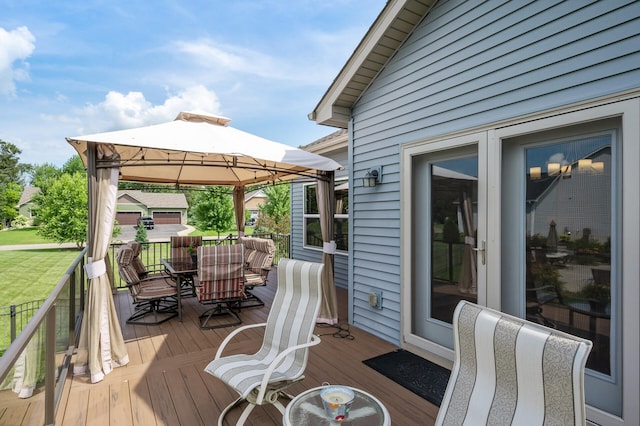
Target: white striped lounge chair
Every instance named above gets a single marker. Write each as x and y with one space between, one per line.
509 371
288 333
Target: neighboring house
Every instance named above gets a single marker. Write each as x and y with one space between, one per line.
508 92
252 202
132 204
306 239
164 208
25 205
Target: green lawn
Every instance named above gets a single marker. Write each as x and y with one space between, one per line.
21 236
29 275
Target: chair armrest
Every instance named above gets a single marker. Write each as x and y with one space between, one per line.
267 374
233 333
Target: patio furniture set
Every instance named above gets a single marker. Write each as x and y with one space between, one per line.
491 347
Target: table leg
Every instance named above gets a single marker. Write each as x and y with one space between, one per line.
179 288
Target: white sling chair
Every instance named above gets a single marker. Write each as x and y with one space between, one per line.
509 371
261 378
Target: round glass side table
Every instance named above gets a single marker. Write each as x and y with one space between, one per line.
307 409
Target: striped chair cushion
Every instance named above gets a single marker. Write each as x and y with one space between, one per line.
180 243
510 371
249 248
290 323
128 272
136 261
220 272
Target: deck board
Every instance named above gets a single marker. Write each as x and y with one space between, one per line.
164 382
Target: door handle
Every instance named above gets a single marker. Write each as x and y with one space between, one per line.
483 251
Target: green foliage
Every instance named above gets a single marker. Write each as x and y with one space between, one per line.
10 193
10 168
141 235
62 209
20 222
275 212
74 165
40 175
596 292
213 210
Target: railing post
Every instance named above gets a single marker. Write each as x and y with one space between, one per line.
50 367
72 308
12 309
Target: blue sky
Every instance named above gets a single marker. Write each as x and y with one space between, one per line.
69 68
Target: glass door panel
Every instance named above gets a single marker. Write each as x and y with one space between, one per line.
568 240
445 228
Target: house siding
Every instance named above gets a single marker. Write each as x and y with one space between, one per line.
466 65
298 251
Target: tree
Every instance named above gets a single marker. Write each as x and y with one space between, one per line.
10 193
10 168
141 234
41 174
74 165
275 212
62 209
213 210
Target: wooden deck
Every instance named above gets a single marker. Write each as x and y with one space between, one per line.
164 382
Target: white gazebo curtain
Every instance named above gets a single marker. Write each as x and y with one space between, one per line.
101 347
326 205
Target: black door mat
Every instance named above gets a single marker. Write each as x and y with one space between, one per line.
422 377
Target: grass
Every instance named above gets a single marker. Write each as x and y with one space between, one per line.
21 236
29 275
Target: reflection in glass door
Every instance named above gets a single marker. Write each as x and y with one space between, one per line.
569 245
445 227
454 200
568 240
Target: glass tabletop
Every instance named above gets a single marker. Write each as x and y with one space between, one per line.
307 409
182 265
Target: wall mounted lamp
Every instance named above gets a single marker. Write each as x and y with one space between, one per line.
372 177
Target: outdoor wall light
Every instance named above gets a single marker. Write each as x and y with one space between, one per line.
373 177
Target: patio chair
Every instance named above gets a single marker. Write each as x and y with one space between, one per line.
220 282
258 257
180 244
508 370
180 251
538 295
261 378
154 295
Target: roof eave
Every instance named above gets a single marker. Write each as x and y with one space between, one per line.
334 109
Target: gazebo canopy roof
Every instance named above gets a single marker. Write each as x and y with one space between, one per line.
202 149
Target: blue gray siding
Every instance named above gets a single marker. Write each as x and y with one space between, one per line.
469 64
298 251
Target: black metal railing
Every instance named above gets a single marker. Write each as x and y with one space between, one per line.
154 251
51 334
52 326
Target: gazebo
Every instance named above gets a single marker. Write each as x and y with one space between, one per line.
193 149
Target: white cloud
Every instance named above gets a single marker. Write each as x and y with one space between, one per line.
226 58
120 111
16 45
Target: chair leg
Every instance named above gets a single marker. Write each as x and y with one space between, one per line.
251 301
228 408
161 310
218 310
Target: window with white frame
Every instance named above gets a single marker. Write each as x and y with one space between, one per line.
312 232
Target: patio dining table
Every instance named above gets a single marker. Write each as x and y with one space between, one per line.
183 269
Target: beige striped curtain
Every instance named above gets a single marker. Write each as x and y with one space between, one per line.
326 205
238 204
101 347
